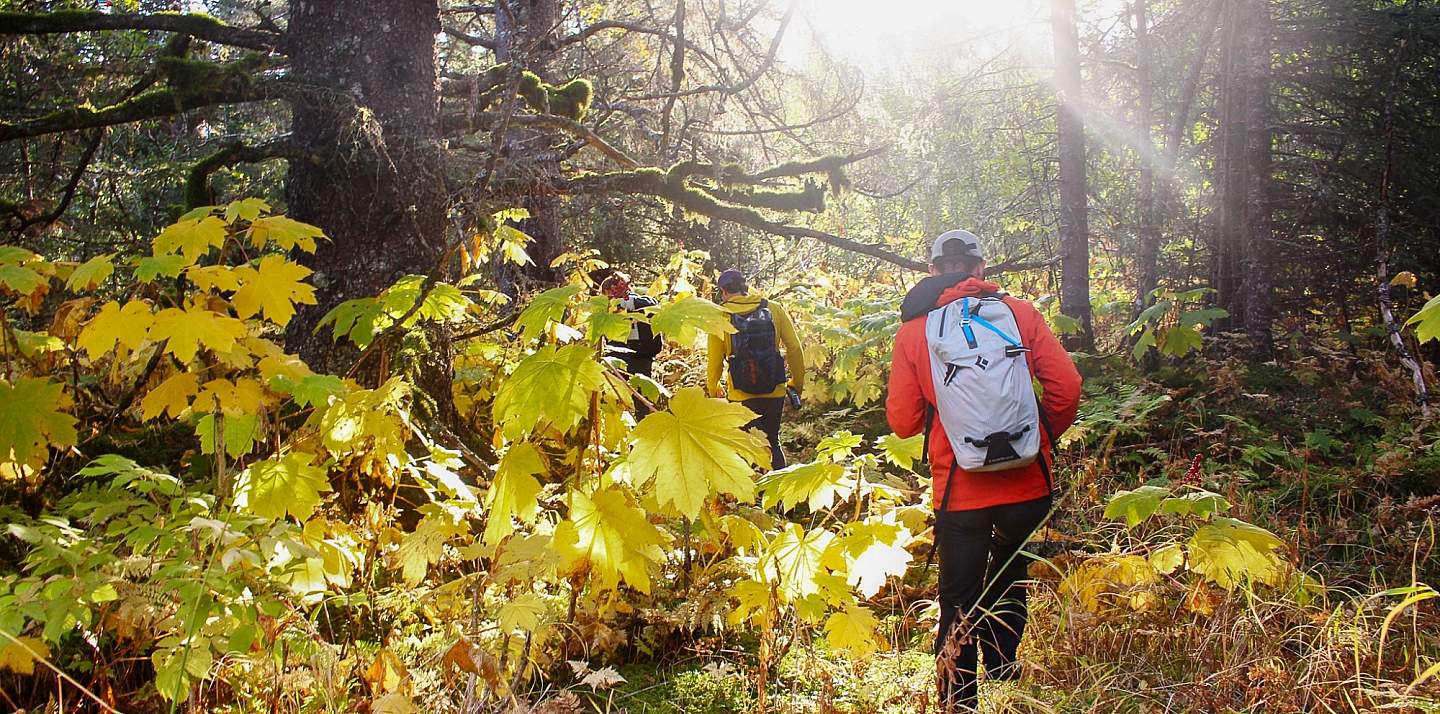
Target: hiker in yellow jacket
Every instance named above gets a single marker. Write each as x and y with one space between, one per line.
750 358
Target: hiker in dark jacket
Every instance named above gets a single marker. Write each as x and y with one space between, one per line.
638 351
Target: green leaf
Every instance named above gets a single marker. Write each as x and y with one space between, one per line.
553 386
1150 316
91 273
603 322
514 491
240 433
1135 506
20 279
838 446
1427 321
147 269
1206 316
1143 345
1200 503
1180 341
903 452
277 486
547 307
31 420
685 319
359 319
1064 324
695 449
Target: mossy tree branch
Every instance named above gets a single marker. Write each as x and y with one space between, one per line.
197 181
204 27
656 182
147 105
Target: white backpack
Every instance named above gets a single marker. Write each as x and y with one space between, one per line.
983 390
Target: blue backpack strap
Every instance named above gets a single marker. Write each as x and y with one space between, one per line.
991 327
965 323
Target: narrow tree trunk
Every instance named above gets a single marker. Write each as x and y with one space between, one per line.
1074 231
1147 273
375 186
1230 166
1382 243
1257 274
525 33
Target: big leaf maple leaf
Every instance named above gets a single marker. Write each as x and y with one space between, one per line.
695 450
30 419
552 385
514 491
277 486
612 535
272 289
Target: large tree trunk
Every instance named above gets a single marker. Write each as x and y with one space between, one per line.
1257 277
1074 230
375 184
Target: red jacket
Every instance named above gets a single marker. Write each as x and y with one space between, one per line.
912 390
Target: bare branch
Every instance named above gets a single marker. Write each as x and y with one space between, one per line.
475 40
204 27
456 124
197 190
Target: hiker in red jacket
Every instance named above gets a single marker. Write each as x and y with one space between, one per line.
985 508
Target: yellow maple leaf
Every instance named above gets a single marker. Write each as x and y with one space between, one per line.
286 233
697 449
245 209
426 543
513 494
20 654
193 327
612 535
31 420
796 556
171 396
552 385
213 277
852 629
127 326
191 238
281 485
272 289
243 396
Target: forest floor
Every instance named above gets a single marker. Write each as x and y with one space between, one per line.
1321 447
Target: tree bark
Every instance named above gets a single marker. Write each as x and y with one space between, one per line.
525 32
1074 229
1146 271
1256 228
371 126
1230 165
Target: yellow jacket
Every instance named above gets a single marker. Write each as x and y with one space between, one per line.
719 352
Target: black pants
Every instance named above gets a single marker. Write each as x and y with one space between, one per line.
982 602
769 409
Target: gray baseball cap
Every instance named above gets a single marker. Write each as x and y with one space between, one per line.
956 243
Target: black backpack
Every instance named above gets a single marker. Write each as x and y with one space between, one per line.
755 362
648 343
